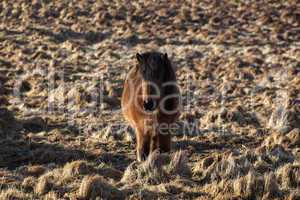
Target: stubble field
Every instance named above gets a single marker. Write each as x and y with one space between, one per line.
62 67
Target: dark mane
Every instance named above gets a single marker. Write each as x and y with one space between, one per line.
157 66
153 66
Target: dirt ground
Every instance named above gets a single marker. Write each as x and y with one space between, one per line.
62 67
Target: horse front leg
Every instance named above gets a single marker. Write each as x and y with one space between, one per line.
143 146
139 146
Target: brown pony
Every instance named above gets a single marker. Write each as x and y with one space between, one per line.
151 102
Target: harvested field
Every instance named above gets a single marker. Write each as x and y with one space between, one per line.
62 68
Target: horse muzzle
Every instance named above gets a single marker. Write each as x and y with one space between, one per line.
149 105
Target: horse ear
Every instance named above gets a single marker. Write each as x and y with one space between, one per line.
139 57
166 56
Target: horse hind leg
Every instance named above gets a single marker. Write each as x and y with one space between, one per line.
164 142
154 144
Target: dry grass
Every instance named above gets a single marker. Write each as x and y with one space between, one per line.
110 172
92 187
228 167
36 170
13 194
288 176
271 186
279 119
44 185
294 137
75 168
51 196
158 168
250 186
49 181
179 164
294 195
249 175
29 183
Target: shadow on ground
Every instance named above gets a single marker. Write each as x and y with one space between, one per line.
17 149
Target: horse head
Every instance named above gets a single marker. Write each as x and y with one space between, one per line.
153 68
